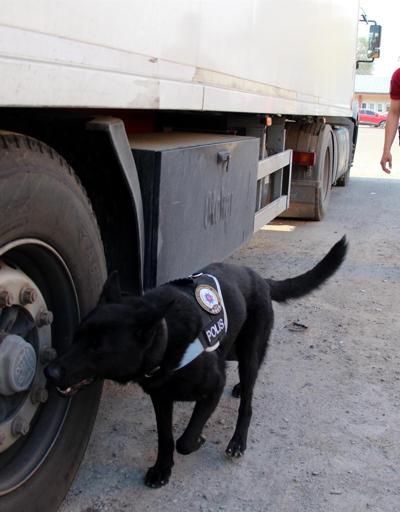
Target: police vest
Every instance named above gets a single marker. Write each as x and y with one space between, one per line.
206 291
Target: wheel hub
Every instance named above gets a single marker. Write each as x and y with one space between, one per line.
25 340
17 365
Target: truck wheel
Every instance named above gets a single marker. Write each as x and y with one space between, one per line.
51 271
324 166
344 179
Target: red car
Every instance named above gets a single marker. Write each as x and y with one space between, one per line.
372 118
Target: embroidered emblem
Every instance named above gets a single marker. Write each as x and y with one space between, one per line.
208 299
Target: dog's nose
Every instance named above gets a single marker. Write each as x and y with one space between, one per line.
53 372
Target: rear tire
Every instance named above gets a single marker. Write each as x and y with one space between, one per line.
344 179
324 172
48 229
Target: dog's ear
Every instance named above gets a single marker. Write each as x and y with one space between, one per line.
111 293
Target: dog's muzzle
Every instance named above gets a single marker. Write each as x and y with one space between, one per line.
72 390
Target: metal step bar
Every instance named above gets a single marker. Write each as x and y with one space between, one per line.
273 187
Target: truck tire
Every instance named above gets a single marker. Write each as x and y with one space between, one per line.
49 239
324 166
344 179
311 185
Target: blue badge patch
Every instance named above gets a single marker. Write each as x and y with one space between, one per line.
208 298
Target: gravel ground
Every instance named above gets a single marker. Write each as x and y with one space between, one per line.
325 434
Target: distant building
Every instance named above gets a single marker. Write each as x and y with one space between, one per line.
372 93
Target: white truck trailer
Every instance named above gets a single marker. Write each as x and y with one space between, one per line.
149 138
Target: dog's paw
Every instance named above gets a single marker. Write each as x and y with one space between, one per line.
157 477
236 390
184 447
235 449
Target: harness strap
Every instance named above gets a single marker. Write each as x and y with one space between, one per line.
212 333
215 325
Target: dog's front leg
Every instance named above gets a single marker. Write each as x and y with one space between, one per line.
191 439
159 474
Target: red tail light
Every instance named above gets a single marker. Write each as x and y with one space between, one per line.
304 158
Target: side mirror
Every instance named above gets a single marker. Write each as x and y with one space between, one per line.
374 41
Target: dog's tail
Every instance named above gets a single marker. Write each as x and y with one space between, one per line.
298 286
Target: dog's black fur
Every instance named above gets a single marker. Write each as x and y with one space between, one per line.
142 339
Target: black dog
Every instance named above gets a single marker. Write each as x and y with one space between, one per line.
160 340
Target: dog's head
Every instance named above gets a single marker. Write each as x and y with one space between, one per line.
112 342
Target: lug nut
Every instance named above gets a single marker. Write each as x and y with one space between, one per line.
19 427
39 396
27 296
6 299
44 317
47 355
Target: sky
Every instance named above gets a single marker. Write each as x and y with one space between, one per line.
387 14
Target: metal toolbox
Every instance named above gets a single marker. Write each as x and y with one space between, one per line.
199 195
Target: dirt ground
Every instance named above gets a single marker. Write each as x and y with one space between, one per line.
325 434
